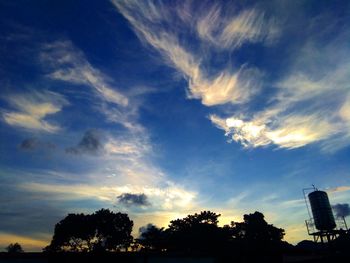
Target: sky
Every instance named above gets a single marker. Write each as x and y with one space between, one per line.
160 109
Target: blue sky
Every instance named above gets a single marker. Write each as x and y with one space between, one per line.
165 108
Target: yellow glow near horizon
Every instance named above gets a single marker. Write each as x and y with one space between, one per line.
28 243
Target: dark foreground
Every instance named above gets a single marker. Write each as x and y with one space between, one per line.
168 258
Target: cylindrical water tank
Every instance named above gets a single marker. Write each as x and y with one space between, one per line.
321 210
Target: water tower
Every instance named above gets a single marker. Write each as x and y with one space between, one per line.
321 223
321 211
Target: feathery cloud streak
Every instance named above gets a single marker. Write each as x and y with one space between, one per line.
167 198
32 108
69 64
163 28
294 116
227 32
311 104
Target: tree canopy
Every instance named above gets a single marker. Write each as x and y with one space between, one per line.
153 238
198 232
101 231
255 228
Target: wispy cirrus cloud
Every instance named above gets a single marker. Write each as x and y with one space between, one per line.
65 62
31 109
164 202
69 64
294 114
163 28
339 189
231 32
289 132
122 146
169 197
99 143
311 104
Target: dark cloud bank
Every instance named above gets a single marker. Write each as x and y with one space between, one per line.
30 144
91 143
341 210
128 199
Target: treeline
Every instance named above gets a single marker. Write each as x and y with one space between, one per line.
105 230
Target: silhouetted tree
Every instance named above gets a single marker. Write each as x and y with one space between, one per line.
255 228
153 238
103 230
112 230
204 217
256 236
14 248
74 233
198 232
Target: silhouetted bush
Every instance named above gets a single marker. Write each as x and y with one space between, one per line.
14 248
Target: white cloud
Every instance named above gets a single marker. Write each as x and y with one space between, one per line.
339 189
126 116
32 109
227 87
344 111
246 133
310 104
232 32
69 64
305 106
121 146
166 198
161 28
287 132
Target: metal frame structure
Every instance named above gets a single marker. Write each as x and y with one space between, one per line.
322 235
